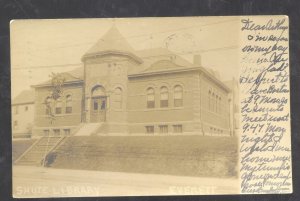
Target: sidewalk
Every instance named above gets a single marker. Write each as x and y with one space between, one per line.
47 182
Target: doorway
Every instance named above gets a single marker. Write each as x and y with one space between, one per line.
98 112
98 105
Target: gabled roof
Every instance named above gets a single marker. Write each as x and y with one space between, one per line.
24 97
72 76
154 58
155 54
162 65
111 42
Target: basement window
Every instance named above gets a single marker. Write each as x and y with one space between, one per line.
56 131
177 128
67 131
163 129
46 132
149 129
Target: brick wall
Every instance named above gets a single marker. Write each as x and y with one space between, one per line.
63 120
214 122
140 116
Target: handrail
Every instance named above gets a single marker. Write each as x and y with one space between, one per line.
46 150
52 148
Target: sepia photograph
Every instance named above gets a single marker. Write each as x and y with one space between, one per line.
126 106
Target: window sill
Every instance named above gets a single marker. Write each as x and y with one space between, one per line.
61 115
164 108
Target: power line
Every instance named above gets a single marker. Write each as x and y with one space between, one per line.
48 66
143 35
79 64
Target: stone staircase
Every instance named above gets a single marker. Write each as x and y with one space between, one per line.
35 154
88 129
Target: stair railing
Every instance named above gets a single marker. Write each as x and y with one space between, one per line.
52 148
46 150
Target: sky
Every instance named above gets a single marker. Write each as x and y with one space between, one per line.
39 47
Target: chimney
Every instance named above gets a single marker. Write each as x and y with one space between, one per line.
197 59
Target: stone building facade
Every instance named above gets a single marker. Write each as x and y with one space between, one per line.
121 91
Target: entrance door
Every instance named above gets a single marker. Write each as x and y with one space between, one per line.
98 109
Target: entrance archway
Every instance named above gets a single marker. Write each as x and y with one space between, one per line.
98 104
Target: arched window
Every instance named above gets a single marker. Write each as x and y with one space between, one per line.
68 104
213 102
220 105
117 101
217 103
58 106
164 97
150 98
48 105
209 101
178 96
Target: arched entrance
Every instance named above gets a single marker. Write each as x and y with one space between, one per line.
98 104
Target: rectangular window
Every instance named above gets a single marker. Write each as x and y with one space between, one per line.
163 129
178 102
67 131
164 103
150 104
46 132
68 110
56 131
15 125
177 128
150 129
26 108
58 110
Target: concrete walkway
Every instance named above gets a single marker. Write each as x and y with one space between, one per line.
48 182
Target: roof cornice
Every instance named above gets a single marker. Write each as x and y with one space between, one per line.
25 103
171 71
168 71
65 83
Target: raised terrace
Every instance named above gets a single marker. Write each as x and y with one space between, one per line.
175 155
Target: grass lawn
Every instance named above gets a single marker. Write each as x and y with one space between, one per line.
174 155
19 147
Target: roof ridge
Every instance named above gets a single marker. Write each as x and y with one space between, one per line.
111 40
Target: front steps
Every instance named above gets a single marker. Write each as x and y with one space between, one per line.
35 155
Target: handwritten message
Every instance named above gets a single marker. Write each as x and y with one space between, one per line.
265 162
